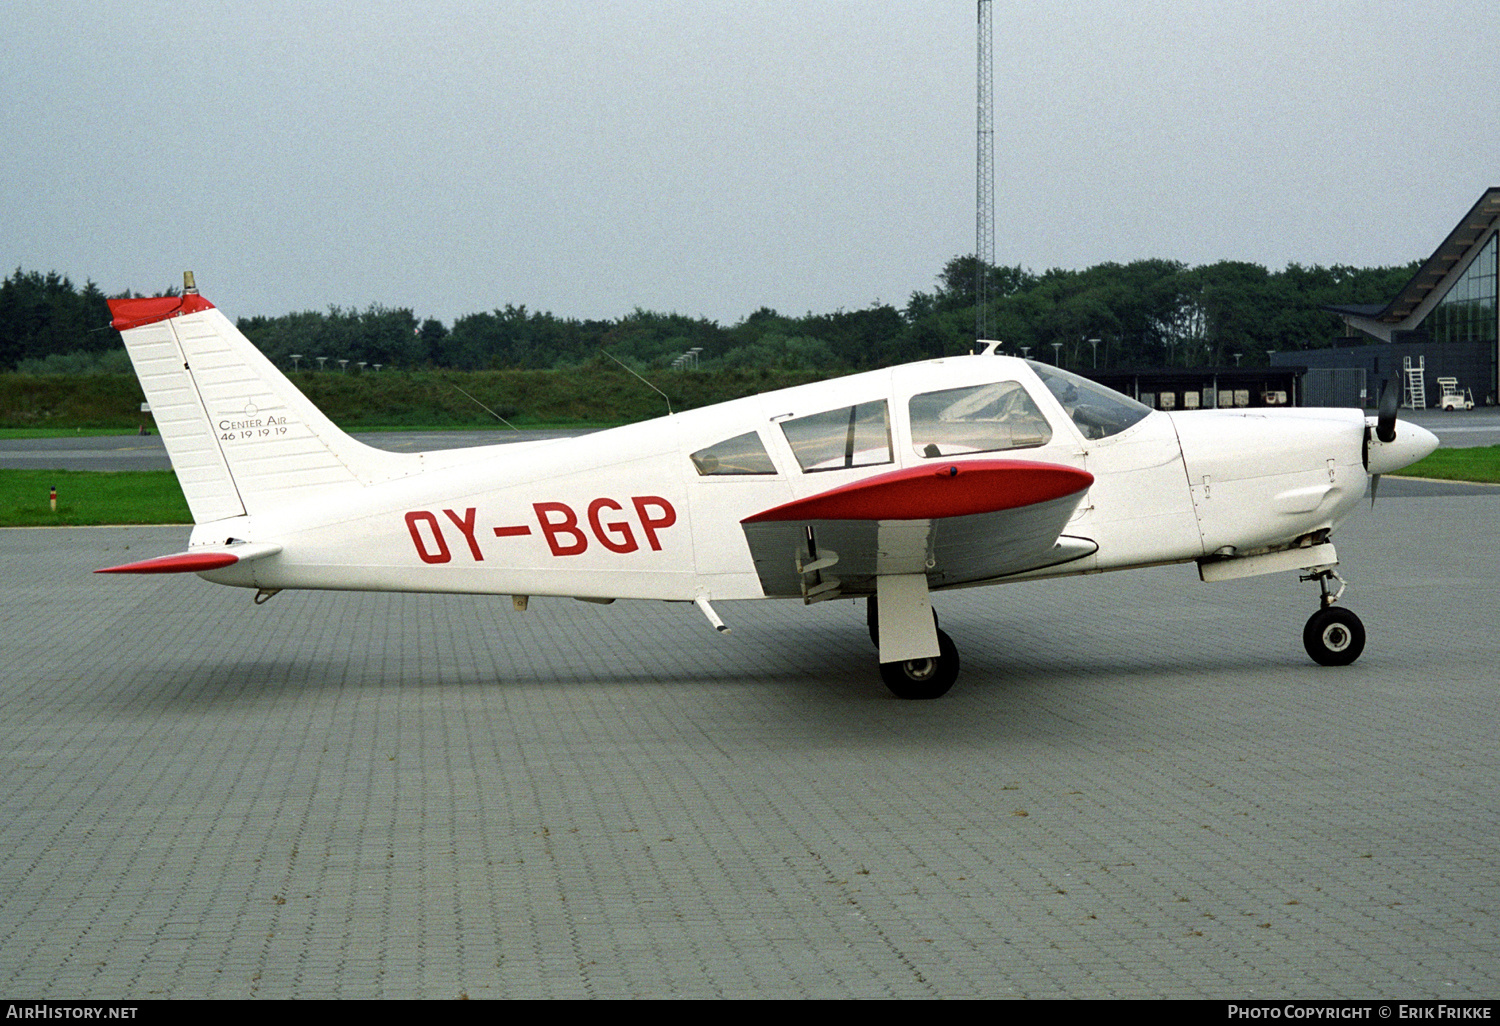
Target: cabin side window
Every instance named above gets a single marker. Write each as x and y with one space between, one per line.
853 436
740 455
977 418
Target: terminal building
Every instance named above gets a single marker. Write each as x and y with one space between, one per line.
1440 332
1207 388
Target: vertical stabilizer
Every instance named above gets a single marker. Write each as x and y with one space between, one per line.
242 438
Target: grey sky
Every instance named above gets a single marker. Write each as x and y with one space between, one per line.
711 158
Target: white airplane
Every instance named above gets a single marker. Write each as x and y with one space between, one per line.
889 485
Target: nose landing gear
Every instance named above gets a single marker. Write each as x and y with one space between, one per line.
1333 636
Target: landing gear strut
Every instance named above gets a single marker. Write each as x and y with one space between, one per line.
916 678
1333 636
872 619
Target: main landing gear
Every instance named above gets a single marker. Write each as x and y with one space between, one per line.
924 678
1333 635
916 678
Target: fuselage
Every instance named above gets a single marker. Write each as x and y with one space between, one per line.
655 510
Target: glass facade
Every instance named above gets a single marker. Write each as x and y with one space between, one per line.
1468 312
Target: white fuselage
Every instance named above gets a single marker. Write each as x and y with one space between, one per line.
628 513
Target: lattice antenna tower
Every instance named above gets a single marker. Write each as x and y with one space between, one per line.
984 230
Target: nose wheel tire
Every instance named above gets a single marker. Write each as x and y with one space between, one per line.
924 678
1333 636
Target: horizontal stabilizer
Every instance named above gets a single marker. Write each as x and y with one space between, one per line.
194 562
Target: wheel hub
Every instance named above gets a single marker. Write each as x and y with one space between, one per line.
920 669
1336 637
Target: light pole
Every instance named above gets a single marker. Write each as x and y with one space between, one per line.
295 358
1095 343
1057 354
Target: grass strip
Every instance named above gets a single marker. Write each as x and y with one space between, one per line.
87 498
1480 464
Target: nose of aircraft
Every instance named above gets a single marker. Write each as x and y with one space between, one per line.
1412 443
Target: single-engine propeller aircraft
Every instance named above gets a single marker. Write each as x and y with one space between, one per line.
889 484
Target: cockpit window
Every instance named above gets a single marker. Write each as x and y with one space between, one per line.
977 418
1098 411
742 454
853 436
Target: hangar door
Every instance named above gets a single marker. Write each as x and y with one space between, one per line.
1336 386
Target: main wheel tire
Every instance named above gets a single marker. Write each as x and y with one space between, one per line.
1333 636
924 678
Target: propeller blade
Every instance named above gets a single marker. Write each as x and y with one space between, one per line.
1385 421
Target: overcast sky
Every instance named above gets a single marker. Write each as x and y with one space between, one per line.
711 158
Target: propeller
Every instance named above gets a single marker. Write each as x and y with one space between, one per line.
1385 428
1389 447
1385 421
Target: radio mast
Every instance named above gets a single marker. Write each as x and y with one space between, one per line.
984 231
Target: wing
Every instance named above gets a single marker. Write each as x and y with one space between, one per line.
958 523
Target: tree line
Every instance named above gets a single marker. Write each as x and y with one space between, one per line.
1145 313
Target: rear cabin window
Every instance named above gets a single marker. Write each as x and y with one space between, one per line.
853 436
976 418
740 455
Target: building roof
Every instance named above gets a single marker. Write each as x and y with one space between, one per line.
1468 231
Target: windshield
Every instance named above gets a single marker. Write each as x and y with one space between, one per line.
1098 411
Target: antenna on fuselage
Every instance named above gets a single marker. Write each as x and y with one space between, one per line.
984 227
643 380
491 412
